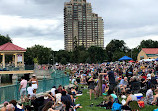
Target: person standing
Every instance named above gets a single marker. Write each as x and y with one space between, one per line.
91 86
34 82
111 79
30 90
22 88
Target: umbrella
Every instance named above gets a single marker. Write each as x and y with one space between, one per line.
131 61
156 59
125 58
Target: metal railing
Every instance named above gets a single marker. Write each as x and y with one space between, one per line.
11 92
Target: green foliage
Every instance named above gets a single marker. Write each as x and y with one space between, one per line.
62 54
116 47
4 39
96 54
38 52
63 61
114 50
148 44
117 55
35 60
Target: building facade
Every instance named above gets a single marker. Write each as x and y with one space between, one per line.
82 26
148 53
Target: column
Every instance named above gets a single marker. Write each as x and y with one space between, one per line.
23 59
0 79
3 60
15 59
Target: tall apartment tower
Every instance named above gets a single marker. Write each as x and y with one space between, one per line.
82 26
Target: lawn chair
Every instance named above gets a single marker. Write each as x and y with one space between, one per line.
134 106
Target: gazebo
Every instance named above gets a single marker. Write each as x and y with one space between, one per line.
12 49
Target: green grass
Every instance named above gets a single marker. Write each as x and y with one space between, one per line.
85 102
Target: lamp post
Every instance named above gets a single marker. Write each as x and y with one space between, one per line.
49 58
131 53
51 61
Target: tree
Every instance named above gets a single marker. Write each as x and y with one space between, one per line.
148 44
115 45
63 61
96 54
4 39
144 44
39 52
117 55
76 54
62 54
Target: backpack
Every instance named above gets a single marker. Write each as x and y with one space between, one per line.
116 107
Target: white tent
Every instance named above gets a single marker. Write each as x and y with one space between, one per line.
147 60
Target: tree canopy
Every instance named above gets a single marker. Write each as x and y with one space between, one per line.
114 48
113 51
37 53
4 39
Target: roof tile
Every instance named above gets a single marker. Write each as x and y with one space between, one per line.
150 50
11 47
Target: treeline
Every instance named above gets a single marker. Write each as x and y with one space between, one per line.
112 52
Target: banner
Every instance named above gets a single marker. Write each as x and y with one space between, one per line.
19 58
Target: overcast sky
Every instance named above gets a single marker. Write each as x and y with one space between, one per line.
30 22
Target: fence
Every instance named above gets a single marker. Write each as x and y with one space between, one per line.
11 92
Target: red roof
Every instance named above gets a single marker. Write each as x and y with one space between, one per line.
11 47
150 50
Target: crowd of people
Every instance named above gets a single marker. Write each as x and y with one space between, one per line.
118 79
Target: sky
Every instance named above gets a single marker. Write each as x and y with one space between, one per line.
30 22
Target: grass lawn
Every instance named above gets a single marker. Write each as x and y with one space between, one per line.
85 102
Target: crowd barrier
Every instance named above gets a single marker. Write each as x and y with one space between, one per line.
11 92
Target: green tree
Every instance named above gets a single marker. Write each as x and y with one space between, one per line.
143 44
76 54
39 52
96 54
63 61
148 44
115 45
117 55
59 55
4 39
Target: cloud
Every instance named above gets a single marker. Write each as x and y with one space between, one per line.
29 42
41 21
17 26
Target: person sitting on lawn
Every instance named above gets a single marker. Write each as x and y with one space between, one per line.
114 97
149 95
123 84
4 106
155 101
130 97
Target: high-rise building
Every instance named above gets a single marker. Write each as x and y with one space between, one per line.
82 26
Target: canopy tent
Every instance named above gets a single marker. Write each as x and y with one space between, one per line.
131 61
156 59
147 60
125 58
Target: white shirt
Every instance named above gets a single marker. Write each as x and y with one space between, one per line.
53 91
149 76
58 97
30 90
